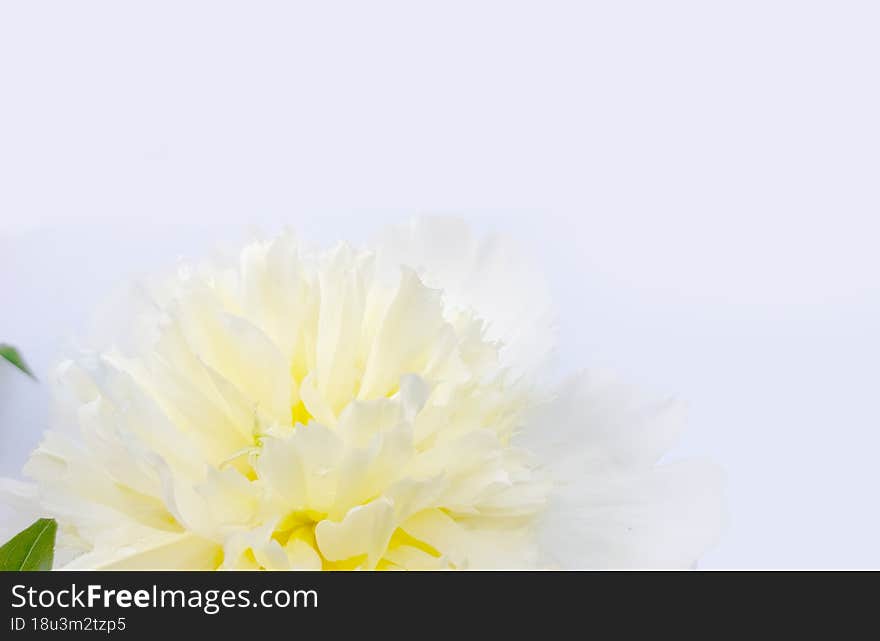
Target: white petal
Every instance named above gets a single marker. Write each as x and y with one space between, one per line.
665 517
265 552
610 507
594 416
162 551
491 277
302 466
365 530
302 556
412 558
337 350
406 338
279 465
441 532
231 498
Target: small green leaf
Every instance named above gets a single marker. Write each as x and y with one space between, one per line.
31 549
13 356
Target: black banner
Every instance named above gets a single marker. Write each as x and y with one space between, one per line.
258 603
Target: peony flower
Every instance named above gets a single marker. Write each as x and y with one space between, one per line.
383 407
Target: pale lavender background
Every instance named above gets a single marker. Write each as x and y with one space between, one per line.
700 179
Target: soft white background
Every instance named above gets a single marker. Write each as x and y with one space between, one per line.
699 178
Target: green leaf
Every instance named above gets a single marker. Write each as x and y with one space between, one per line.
31 549
13 356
